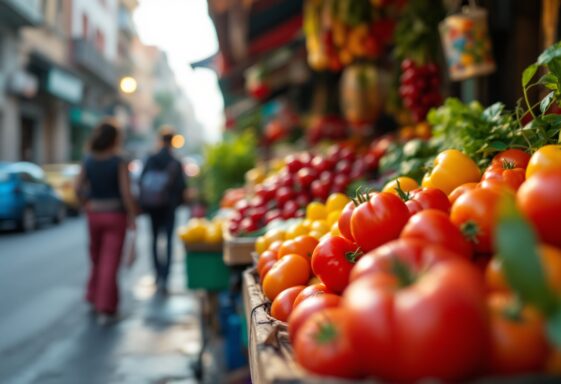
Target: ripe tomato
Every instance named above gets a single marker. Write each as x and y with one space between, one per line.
311 291
435 227
332 261
308 307
403 183
410 314
427 198
275 246
505 173
550 258
518 341
515 157
539 198
265 269
475 214
344 222
264 258
287 272
316 211
322 345
459 191
452 168
301 245
547 158
284 303
378 220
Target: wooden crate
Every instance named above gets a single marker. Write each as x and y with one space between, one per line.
237 250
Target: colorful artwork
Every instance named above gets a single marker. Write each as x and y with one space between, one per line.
467 44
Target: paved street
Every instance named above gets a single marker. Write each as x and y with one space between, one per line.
48 335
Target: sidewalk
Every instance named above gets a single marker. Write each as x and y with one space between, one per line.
154 342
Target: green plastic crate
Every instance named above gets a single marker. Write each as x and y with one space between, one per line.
206 270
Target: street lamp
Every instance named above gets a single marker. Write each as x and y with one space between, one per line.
178 141
128 85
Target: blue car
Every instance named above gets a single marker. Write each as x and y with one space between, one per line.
25 197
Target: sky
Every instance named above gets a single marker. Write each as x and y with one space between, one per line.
183 29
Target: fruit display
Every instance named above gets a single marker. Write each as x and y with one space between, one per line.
305 177
420 88
451 275
201 231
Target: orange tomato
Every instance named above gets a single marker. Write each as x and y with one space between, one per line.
459 191
546 158
301 245
264 258
289 271
284 303
275 246
494 277
518 340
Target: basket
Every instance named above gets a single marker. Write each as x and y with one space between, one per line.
205 269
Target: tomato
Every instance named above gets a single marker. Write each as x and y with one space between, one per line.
316 211
550 258
515 157
518 340
378 220
264 258
311 291
547 158
283 304
344 222
412 310
323 347
295 230
497 185
308 307
435 227
320 189
289 271
403 183
333 217
452 168
274 234
506 173
553 362
301 245
539 198
283 195
275 246
261 245
459 191
475 213
306 176
336 202
265 269
332 261
426 198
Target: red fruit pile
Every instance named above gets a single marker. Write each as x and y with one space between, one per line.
420 88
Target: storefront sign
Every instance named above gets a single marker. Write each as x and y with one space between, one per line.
65 86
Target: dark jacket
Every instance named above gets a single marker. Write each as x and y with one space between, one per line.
162 160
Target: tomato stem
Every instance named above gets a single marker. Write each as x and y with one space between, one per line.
513 312
403 273
508 164
326 332
352 257
405 196
470 230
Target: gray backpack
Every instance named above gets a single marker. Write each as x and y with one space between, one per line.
156 187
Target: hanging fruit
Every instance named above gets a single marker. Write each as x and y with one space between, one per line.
361 94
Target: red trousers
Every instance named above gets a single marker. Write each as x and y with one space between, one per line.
107 233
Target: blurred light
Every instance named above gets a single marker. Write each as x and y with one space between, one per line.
192 169
178 141
135 166
128 84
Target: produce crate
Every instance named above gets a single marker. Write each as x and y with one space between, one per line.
237 250
205 268
270 352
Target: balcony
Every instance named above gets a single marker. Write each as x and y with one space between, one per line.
86 56
20 13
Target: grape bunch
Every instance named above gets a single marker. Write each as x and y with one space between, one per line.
420 88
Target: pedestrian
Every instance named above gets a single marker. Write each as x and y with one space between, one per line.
162 188
104 189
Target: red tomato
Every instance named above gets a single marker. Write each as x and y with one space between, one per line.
322 345
475 214
284 303
311 291
427 198
435 227
289 271
502 171
307 308
332 261
514 157
378 220
518 339
457 192
539 198
344 222
410 314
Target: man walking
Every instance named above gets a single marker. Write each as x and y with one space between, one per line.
162 186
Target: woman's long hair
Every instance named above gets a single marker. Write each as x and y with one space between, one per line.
104 137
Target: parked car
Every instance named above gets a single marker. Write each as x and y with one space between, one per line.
26 198
63 178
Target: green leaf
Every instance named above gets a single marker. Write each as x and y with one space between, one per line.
499 145
550 54
517 248
546 102
528 74
555 67
554 328
549 79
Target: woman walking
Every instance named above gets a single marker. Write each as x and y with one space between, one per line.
104 188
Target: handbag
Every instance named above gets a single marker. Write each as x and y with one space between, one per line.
129 248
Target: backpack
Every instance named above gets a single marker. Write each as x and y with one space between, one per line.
156 187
